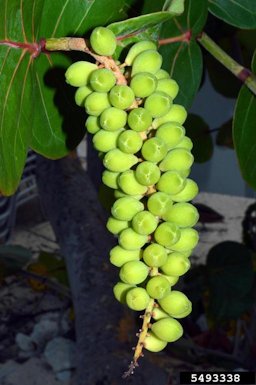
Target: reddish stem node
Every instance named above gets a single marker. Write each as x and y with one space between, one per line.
33 48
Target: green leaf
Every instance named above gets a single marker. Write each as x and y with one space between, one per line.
198 131
230 277
150 6
176 6
183 59
244 132
184 63
76 17
33 113
138 28
240 13
193 18
14 258
140 23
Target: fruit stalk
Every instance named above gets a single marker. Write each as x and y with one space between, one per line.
143 334
80 44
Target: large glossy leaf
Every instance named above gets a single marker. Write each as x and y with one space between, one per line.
184 63
139 23
184 59
230 277
244 132
33 113
240 13
176 6
138 28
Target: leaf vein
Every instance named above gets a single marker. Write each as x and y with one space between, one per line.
43 102
59 18
21 103
83 18
9 87
22 21
5 58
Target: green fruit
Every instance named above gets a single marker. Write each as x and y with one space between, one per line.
171 133
154 150
118 161
115 226
158 314
130 240
96 103
137 48
137 299
113 119
147 173
176 114
183 214
169 86
143 84
105 140
125 208
139 119
144 223
175 304
189 192
103 41
171 182
120 194
167 329
162 74
81 94
176 265
158 104
188 240
129 184
150 60
186 143
158 202
167 234
158 287
129 142
121 96
119 256
177 159
109 178
171 279
185 173
78 73
92 124
134 272
154 255
120 290
102 80
154 344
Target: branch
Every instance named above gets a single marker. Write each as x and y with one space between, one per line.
186 37
242 73
79 44
143 332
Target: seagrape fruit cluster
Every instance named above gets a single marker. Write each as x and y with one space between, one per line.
138 129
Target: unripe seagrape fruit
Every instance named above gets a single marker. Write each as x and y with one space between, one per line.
139 133
103 41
